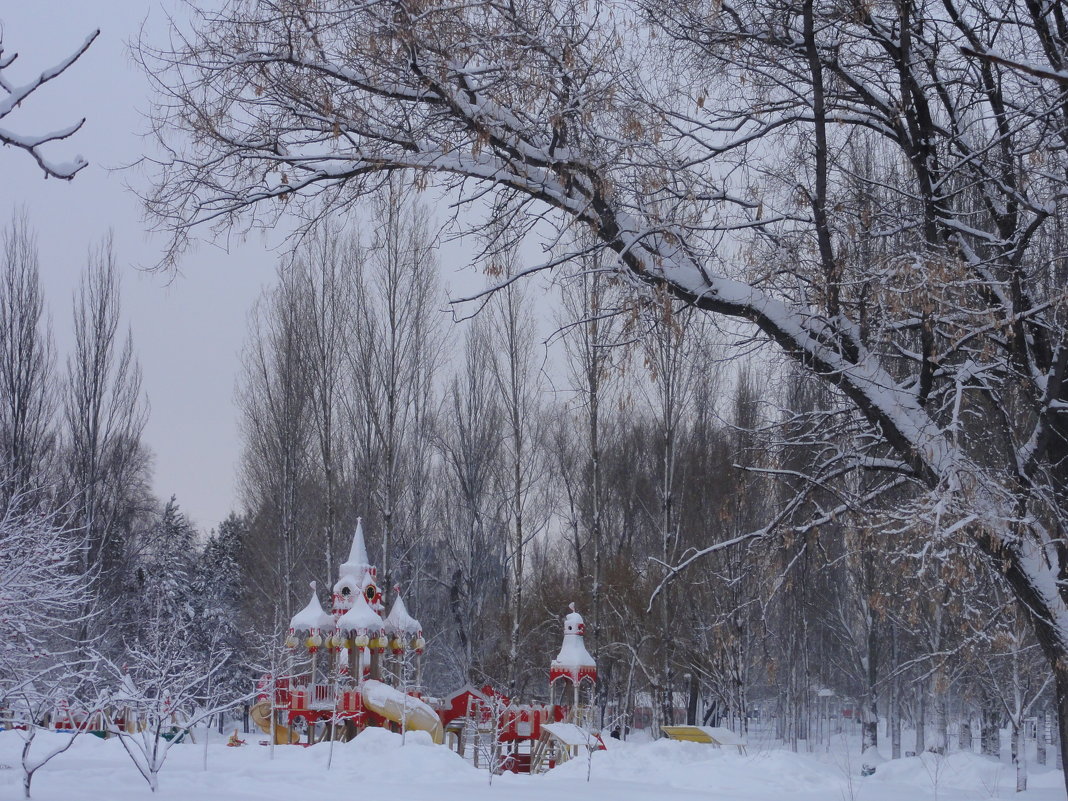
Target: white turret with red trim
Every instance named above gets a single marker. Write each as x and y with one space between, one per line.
356 576
574 661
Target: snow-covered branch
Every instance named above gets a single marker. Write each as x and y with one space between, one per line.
16 94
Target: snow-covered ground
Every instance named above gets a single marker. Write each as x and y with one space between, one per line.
376 765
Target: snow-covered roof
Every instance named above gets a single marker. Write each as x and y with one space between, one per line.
570 734
399 620
360 618
312 616
573 654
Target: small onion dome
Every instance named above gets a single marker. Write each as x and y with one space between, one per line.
313 621
360 624
402 627
574 661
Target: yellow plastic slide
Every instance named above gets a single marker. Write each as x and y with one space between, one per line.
394 705
261 716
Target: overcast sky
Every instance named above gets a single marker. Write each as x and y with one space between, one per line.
188 331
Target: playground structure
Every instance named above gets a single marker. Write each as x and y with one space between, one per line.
359 668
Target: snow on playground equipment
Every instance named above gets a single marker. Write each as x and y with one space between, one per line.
561 741
715 736
348 681
346 649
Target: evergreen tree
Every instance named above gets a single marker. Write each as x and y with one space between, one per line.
168 571
218 584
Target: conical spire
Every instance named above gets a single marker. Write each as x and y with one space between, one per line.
357 562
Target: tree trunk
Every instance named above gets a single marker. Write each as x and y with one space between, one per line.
921 718
895 701
1019 759
1043 737
938 695
895 732
989 736
1061 689
870 735
27 774
691 702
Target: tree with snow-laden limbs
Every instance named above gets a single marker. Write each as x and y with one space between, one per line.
15 94
43 667
842 177
42 591
168 683
59 690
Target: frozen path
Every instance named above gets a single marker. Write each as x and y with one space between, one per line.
375 766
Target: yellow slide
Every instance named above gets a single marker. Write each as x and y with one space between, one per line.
261 716
394 705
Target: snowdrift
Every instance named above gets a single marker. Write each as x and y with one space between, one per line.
697 766
377 763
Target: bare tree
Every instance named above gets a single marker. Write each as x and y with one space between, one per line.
42 590
15 95
517 373
63 690
670 348
394 356
591 330
470 441
326 269
277 416
27 400
105 412
163 688
694 192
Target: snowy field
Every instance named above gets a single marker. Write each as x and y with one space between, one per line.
376 763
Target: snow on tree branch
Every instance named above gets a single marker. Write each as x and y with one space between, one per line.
879 207
16 94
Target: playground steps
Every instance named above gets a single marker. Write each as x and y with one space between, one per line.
544 755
